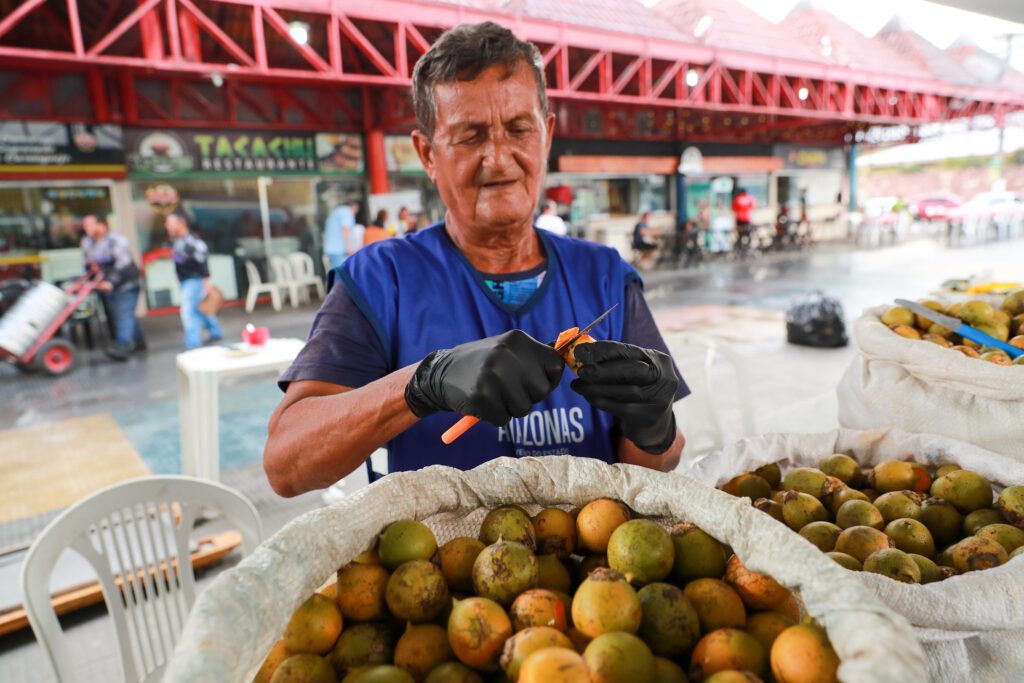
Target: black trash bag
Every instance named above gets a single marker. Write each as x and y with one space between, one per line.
816 320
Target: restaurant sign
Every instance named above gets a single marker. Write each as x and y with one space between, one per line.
795 157
193 153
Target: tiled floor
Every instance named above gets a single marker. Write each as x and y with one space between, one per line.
792 388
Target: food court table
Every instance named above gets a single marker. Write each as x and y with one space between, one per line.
199 374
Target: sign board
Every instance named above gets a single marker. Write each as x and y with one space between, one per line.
401 155
194 153
31 147
722 185
691 162
810 158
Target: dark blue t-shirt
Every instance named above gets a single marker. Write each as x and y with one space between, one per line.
344 349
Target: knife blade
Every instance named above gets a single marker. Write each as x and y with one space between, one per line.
961 328
588 328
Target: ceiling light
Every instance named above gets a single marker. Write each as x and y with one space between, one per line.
802 93
299 31
703 25
894 100
692 78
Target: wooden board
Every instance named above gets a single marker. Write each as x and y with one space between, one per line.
211 550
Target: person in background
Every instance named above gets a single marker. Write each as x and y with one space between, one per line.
377 230
110 252
191 264
643 240
743 205
340 233
550 220
406 221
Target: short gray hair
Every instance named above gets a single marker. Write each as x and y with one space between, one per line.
461 54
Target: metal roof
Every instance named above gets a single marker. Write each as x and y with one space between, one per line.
842 44
730 25
985 67
941 64
620 16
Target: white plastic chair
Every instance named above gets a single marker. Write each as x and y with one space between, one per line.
698 415
304 274
257 287
284 278
135 536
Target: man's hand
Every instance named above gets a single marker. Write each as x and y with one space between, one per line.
105 286
638 386
494 379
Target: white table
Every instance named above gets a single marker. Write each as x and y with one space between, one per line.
199 375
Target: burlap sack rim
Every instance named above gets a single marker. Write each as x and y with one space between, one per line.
874 643
916 602
934 365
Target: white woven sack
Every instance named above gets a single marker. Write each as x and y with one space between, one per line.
237 619
925 389
972 626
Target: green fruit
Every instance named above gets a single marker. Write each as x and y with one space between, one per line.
382 673
930 571
304 668
967 490
619 656
670 625
417 592
800 509
859 513
996 358
1008 536
406 540
979 519
508 523
748 486
861 541
770 473
453 672
848 561
822 534
696 555
944 558
503 570
976 313
911 536
895 564
898 315
1014 302
842 467
806 480
836 500
894 475
975 553
770 507
899 505
946 469
667 671
641 550
942 519
1011 502
362 645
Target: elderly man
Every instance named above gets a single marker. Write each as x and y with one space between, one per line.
110 253
453 320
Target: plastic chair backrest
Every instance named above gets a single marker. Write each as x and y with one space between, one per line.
282 269
698 416
135 535
302 265
253 273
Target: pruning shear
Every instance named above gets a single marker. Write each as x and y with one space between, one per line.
463 425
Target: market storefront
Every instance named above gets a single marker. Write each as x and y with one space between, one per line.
52 175
251 195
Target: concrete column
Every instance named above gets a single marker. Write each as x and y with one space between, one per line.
123 223
376 161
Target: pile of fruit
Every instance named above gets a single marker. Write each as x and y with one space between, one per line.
899 519
595 595
1005 323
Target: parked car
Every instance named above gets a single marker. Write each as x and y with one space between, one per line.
935 207
989 205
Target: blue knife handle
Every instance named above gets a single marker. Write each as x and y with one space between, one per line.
979 337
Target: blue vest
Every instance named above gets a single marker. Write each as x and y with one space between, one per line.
421 294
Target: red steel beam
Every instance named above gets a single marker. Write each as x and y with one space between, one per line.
15 17
307 53
122 27
221 37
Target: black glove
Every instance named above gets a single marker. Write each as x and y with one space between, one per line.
494 379
638 386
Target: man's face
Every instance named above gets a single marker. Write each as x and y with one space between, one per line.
175 226
93 227
490 148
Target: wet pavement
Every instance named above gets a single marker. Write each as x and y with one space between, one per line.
791 387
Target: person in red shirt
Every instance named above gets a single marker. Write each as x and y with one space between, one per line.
742 207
